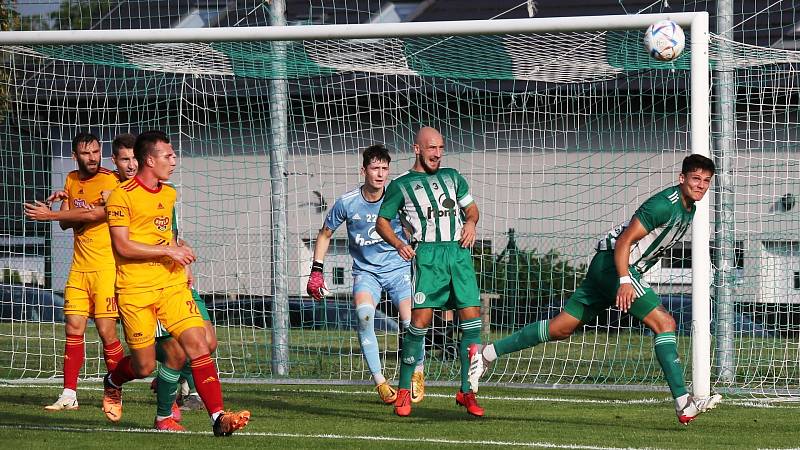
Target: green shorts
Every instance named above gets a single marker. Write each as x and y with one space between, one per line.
162 333
598 291
444 277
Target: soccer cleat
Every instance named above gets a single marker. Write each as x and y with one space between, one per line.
387 392
402 406
176 412
192 402
469 401
477 366
63 403
417 387
112 400
168 424
696 406
229 421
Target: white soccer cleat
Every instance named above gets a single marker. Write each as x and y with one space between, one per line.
476 366
64 403
696 406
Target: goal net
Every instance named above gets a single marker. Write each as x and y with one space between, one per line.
561 136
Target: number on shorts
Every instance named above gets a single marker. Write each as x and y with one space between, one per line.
111 304
192 307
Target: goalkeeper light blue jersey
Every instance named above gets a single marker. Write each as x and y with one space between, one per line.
369 251
666 222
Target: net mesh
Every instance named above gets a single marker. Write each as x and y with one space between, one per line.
560 135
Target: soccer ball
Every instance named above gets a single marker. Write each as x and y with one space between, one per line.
664 40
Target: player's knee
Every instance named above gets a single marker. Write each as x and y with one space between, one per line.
175 358
664 324
193 341
108 334
211 341
143 369
366 315
561 332
75 324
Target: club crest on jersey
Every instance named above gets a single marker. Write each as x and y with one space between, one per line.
80 203
447 207
373 235
419 298
161 223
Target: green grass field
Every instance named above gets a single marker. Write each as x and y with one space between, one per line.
329 416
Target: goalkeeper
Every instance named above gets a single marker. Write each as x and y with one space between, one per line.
615 277
376 265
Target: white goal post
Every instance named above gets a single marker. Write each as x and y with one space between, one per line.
697 23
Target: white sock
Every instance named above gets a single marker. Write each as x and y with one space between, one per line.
489 354
215 415
69 393
681 402
160 418
378 378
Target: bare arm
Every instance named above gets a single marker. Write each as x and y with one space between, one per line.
384 229
322 243
67 217
120 240
468 232
622 250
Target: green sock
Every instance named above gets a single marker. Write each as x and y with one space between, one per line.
413 342
666 347
470 334
167 388
186 374
529 336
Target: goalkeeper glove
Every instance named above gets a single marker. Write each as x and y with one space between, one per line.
316 282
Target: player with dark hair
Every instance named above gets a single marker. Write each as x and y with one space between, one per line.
376 266
152 283
615 278
89 292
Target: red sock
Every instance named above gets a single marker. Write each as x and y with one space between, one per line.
206 382
112 353
122 373
73 360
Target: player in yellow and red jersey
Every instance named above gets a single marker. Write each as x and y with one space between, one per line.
89 292
152 283
122 156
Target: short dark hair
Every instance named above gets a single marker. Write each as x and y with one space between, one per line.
83 138
697 162
124 140
376 152
146 142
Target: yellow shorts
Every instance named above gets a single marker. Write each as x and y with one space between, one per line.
173 306
91 294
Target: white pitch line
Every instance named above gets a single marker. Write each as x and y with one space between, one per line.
327 436
430 394
748 403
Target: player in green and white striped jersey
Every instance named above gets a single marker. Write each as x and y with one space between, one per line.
615 276
436 208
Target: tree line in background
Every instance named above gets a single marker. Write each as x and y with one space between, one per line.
70 15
